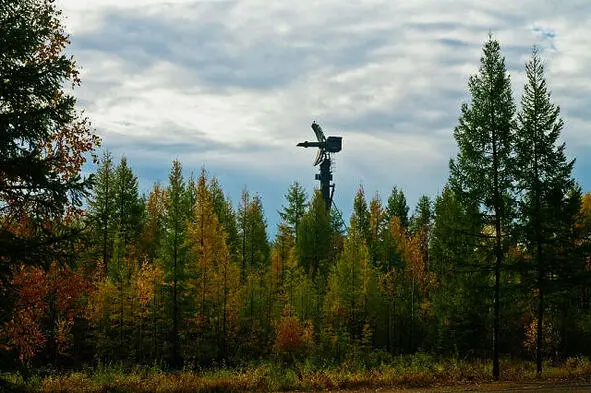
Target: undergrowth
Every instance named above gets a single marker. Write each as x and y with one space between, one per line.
419 370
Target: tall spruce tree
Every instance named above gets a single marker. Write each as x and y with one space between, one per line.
484 169
360 216
544 178
44 140
226 214
128 206
397 206
174 252
296 207
101 212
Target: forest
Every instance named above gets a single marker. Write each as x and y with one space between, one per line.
494 270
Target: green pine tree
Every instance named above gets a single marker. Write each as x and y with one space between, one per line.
296 207
483 170
222 206
397 206
313 247
544 178
462 300
360 216
128 206
174 252
101 212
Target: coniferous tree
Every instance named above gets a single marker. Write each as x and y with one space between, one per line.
296 207
190 196
243 231
258 243
174 253
102 208
461 303
153 229
544 178
226 214
128 206
484 169
213 278
44 140
282 250
377 231
420 226
353 302
351 284
360 216
252 230
313 246
397 206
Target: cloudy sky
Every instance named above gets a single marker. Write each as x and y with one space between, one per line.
234 85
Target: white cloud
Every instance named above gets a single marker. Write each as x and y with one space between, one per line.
389 76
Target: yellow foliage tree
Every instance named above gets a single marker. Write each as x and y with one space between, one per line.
214 280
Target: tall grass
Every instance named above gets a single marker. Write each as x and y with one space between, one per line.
419 370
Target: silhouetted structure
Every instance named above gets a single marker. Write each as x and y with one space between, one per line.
326 146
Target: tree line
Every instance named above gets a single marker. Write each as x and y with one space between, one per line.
91 271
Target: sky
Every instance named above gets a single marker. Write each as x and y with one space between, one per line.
233 86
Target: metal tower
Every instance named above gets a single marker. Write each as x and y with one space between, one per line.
326 146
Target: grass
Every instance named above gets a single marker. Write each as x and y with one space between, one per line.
408 371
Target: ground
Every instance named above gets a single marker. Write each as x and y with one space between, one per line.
501 387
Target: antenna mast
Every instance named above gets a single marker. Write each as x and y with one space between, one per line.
326 146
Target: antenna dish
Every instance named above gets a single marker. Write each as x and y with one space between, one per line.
325 147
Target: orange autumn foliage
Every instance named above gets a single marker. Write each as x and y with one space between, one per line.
40 294
292 338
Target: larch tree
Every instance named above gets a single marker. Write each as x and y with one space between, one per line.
281 251
483 170
214 279
544 178
352 285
